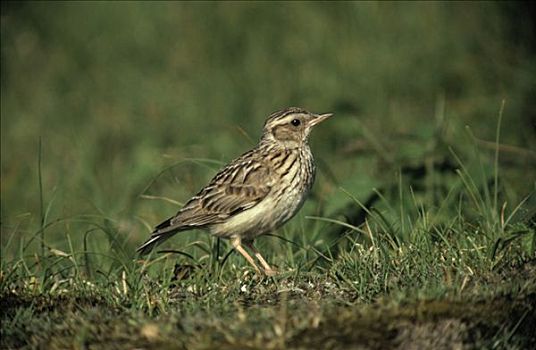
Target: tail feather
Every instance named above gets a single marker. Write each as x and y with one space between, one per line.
159 236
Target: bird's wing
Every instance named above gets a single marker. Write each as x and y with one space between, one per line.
238 187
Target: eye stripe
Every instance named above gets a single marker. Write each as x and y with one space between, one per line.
281 117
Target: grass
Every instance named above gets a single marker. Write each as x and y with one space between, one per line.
420 230
407 276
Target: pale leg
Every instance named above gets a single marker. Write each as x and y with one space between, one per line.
267 269
236 243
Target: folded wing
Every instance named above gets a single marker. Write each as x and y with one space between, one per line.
236 188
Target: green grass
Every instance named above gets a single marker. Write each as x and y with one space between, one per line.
420 230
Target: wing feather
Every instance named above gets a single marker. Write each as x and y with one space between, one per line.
240 186
233 190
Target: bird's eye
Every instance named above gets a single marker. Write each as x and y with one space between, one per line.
295 122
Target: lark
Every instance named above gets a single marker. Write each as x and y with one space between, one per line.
257 192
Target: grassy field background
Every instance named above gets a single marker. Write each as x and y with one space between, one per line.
420 231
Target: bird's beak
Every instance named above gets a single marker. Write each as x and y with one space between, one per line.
319 118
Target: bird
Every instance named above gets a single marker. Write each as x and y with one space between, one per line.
255 193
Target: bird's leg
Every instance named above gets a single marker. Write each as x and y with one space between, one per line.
267 269
236 243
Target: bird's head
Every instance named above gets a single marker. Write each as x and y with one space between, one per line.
290 127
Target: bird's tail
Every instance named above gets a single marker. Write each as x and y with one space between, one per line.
158 237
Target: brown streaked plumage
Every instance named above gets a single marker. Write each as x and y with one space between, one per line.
255 193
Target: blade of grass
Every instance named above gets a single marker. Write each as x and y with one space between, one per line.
496 162
41 201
